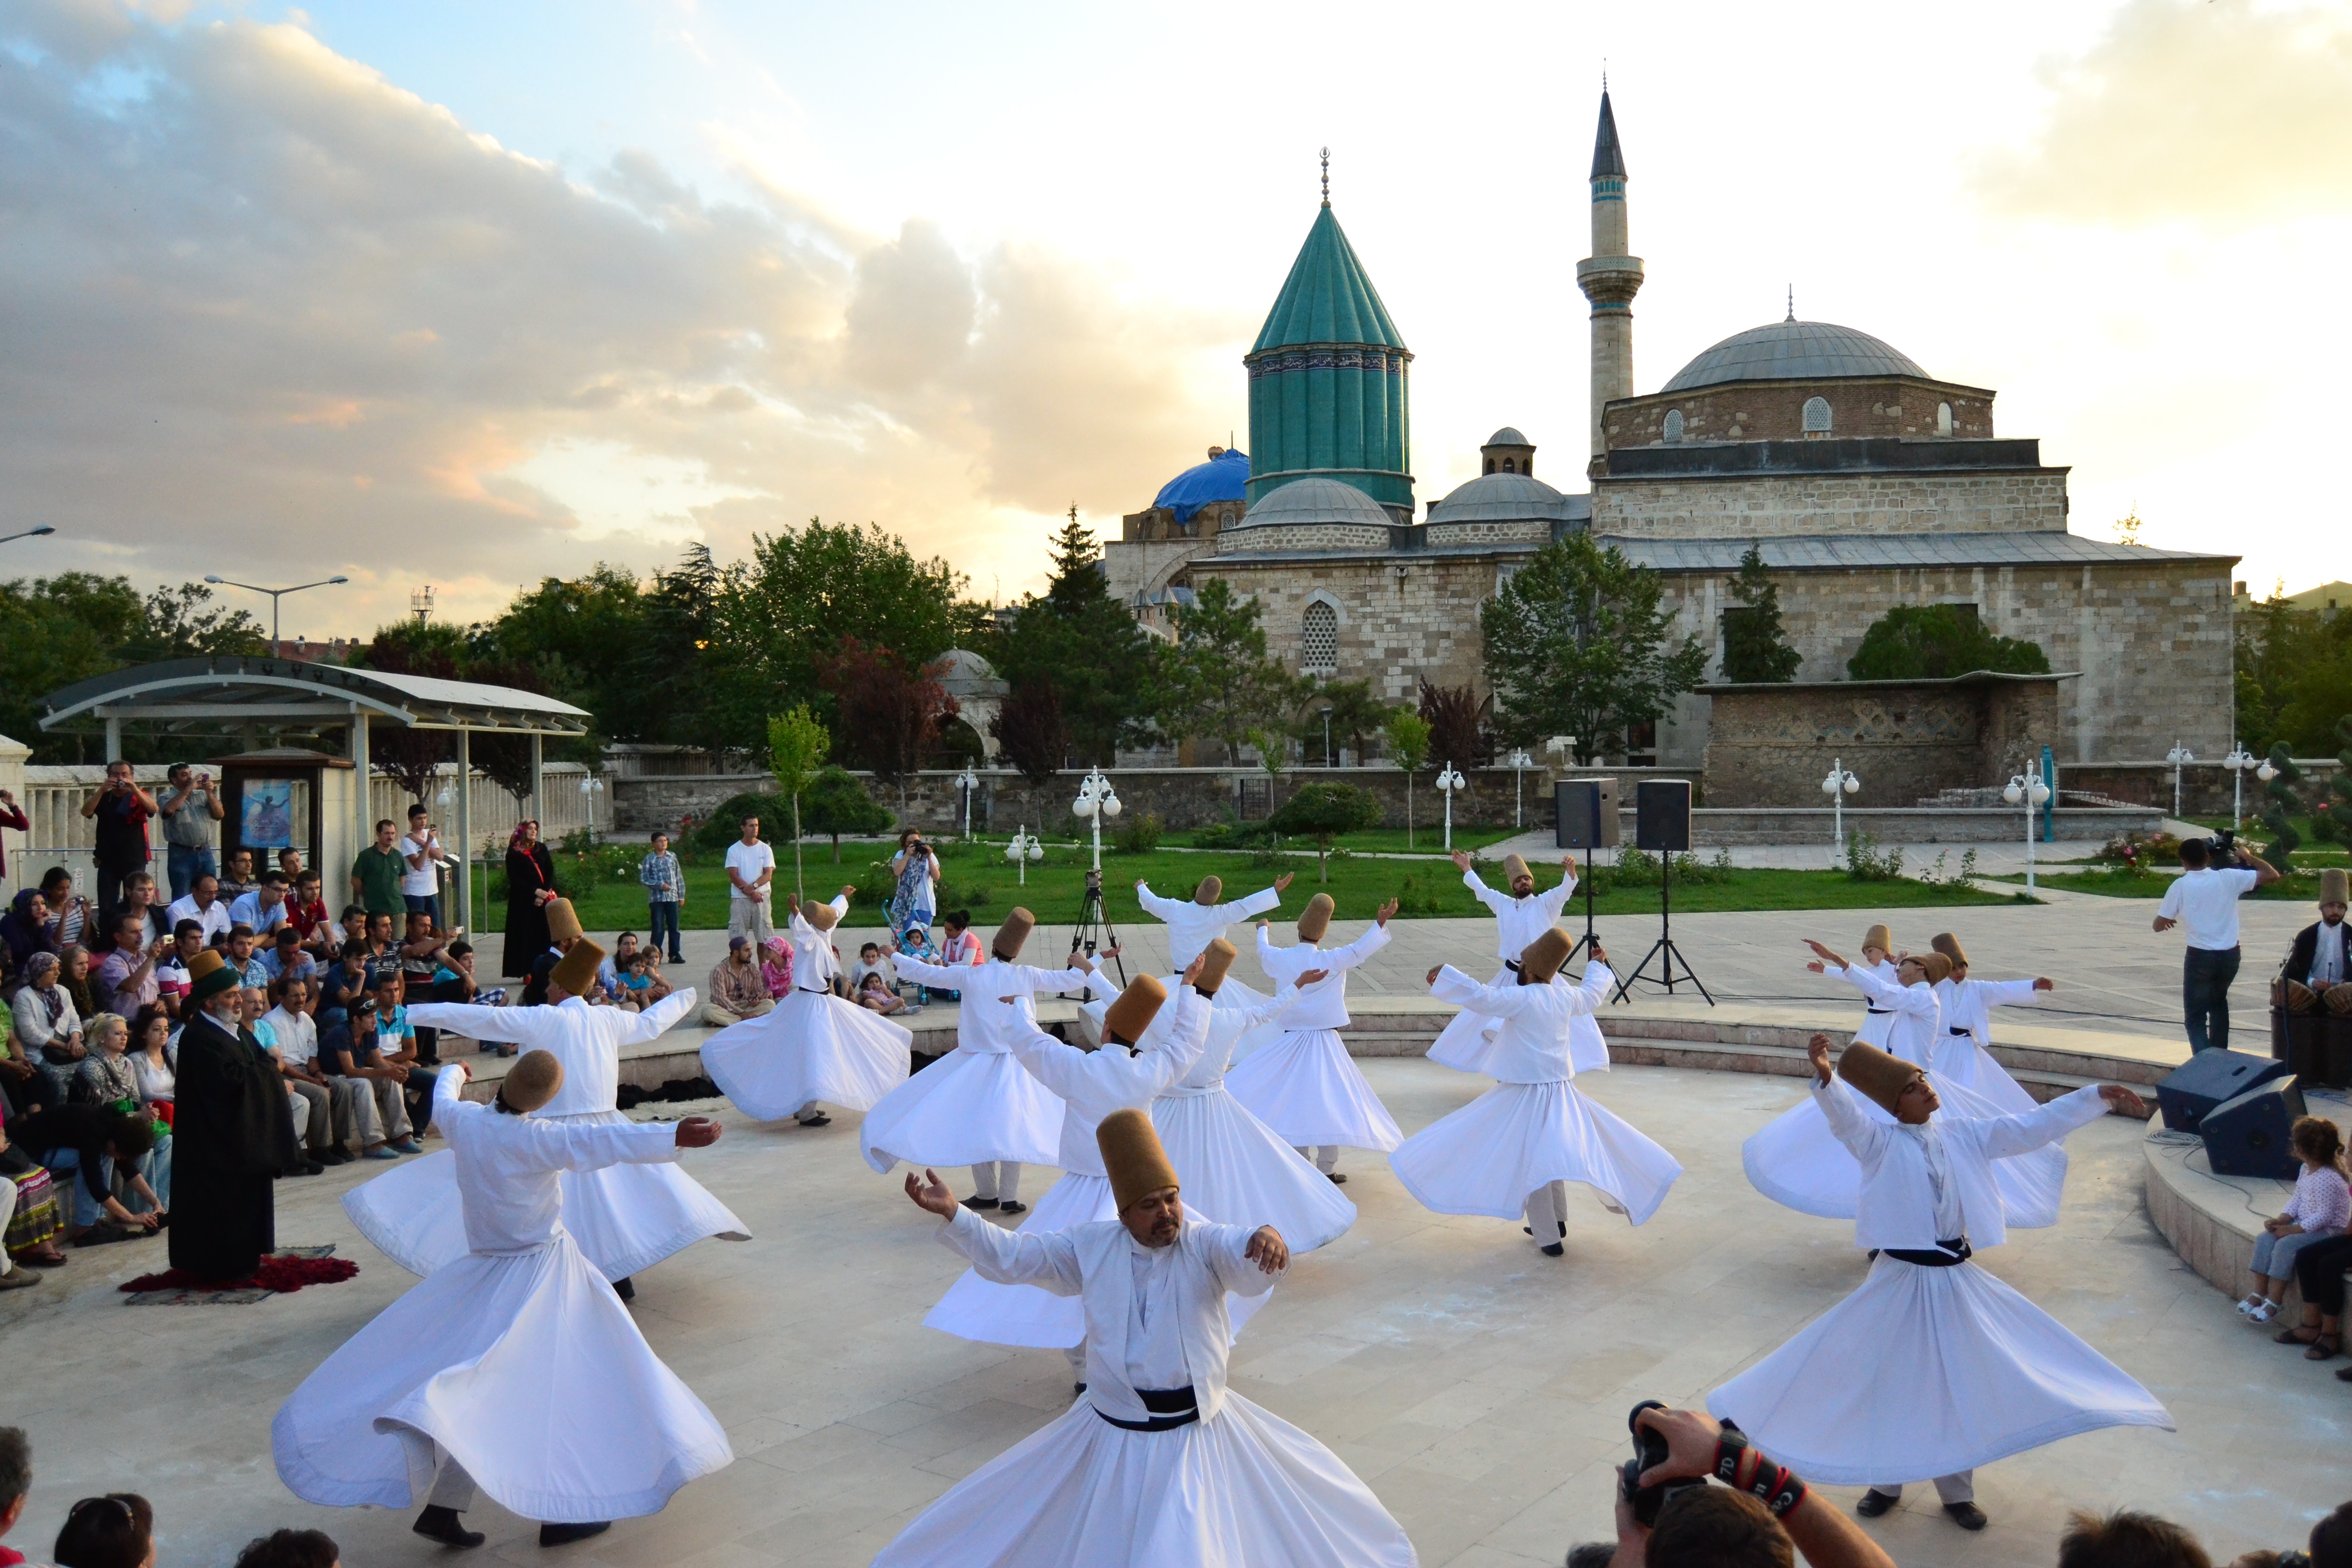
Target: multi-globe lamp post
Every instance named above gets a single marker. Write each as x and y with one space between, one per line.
2180 756
1096 800
1519 762
2242 761
1449 780
1024 849
968 782
1838 784
2027 789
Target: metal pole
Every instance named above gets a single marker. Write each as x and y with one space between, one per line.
2029 832
361 828
466 829
538 781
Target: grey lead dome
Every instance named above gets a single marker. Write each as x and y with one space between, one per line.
1793 350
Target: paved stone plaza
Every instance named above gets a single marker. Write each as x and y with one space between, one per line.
1479 1388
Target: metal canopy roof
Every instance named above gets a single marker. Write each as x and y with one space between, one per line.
234 688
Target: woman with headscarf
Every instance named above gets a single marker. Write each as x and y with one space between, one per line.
24 928
916 901
45 1034
531 887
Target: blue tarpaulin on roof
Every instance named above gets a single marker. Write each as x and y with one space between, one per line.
1219 479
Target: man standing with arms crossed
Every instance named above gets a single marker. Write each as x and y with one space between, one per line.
2204 898
750 867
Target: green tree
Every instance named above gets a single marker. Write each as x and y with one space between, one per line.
1217 681
1937 642
1355 714
838 804
796 747
55 631
1577 645
1755 650
1408 738
674 663
582 635
1324 811
1087 644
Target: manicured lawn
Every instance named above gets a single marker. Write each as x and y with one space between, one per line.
2301 889
1428 839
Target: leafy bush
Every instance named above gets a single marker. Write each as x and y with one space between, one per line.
1216 836
1965 875
1936 642
1416 897
1139 834
2144 849
1324 811
1865 862
1640 868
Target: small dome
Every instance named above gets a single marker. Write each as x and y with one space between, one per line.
1313 503
1224 477
1507 437
1793 350
1501 498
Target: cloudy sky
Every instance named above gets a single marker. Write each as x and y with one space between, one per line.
466 294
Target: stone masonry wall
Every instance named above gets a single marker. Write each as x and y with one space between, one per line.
1767 505
1774 411
1400 619
1771 746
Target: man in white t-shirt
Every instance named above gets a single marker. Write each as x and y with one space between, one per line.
203 906
420 878
2204 900
750 867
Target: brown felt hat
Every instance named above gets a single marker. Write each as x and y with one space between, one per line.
1130 1149
1541 959
1938 967
1880 938
1515 867
823 917
577 971
1211 889
1131 1011
1219 956
562 921
1947 945
1316 918
2334 887
532 1081
1876 1075
1018 924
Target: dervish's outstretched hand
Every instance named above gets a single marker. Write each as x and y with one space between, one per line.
1309 977
2122 1099
1431 978
1283 881
1193 970
849 889
1386 910
697 1133
2043 983
1818 1048
1461 859
1267 1249
932 1194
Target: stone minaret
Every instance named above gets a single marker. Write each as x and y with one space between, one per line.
1609 277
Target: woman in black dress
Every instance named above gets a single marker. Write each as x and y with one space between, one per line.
530 885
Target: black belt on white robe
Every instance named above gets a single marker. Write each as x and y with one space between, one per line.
1969 1033
1169 1407
1943 1255
1880 1012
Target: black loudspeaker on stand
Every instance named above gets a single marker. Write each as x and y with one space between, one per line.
1584 812
1661 826
1093 930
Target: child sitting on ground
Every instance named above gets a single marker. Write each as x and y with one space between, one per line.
2320 1208
874 994
637 987
776 968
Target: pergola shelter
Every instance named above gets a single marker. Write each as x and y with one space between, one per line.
272 698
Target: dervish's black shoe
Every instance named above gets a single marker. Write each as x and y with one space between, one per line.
1077 1389
1011 1207
1554 1250
819 1120
1337 1179
566 1535
977 1204
1966 1515
625 1289
441 1524
1873 1503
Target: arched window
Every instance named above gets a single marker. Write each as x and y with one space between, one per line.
1318 641
1817 416
1943 419
1673 430
1488 468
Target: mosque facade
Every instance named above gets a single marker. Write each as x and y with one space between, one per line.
1865 482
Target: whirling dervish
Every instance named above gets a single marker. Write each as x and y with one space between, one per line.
1305 1086
1131 1067
1932 1366
813 1046
1796 1159
625 1218
1964 1054
1515 1148
1192 924
1521 916
976 1106
513 1368
1160 1464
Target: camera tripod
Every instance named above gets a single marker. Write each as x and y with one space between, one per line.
1586 942
1663 949
1093 928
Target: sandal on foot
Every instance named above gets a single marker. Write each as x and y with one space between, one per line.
2301 1335
2264 1312
2324 1348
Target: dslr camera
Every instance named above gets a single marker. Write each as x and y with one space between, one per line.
1649 1451
2223 847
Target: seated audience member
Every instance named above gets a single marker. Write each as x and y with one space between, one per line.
173 981
776 968
290 862
379 1114
74 967
117 1531
291 1549
637 986
250 970
155 1061
2318 969
875 996
872 959
139 899
105 1076
45 1028
126 978
738 990
36 1217
328 1117
306 911
963 943
69 913
266 907
87 1143
2319 1275
285 956
422 950
15 1486
348 979
23 1084
395 1040
354 927
2128 1540
608 974
24 929
2320 1208
203 905
383 949
236 879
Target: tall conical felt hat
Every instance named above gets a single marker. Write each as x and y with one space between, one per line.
1515 867
577 971
1876 1075
823 917
2334 887
1132 1155
1316 918
1131 1011
1947 945
1220 955
1211 889
1880 938
1018 924
1938 966
562 921
1541 959
532 1081
210 974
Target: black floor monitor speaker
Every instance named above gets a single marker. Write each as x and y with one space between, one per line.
2209 1078
2248 1136
1662 819
1586 813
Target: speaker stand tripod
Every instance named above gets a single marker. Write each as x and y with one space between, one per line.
1664 949
1585 943
1093 928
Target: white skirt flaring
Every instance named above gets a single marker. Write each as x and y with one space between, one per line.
811 1048
1308 1089
523 1367
1924 1371
965 1108
1235 996
1466 1044
1243 1487
1959 1059
1797 1162
1487 1157
626 1218
1235 1171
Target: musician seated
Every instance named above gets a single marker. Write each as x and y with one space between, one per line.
2318 970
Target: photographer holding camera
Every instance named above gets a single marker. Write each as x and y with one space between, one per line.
2204 898
1669 1516
121 810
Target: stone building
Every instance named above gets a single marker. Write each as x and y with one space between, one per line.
1864 481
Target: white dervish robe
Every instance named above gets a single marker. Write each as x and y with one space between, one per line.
1928 1371
1466 1038
1091 1084
1191 927
1535 1127
1963 1055
975 1104
1238 1485
625 1218
1305 1086
1877 1023
813 1046
515 1360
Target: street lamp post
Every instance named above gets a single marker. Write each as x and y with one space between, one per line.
2030 790
1096 800
1518 761
275 594
967 781
29 534
2239 761
1837 785
2177 756
1449 780
1024 849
